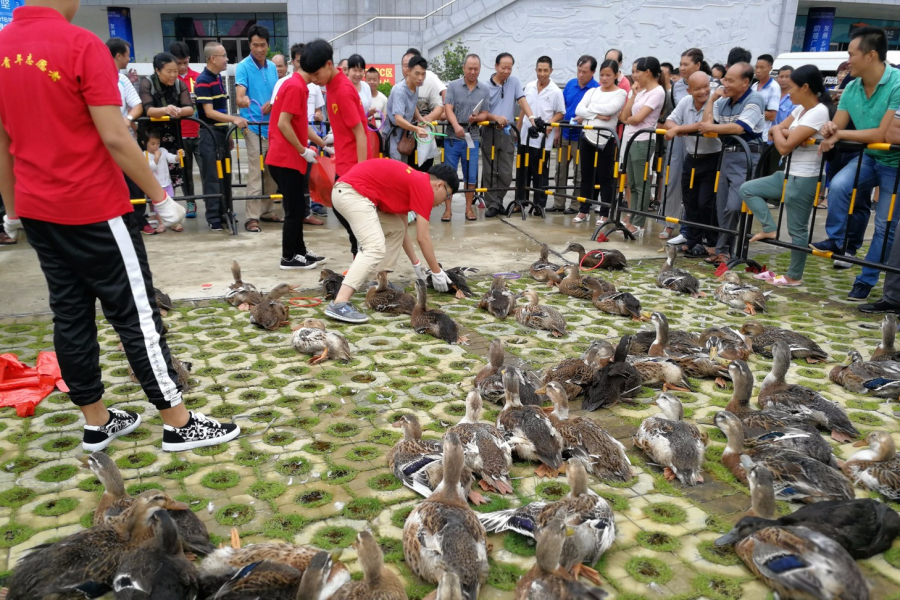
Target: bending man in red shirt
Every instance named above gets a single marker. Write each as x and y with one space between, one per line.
375 197
70 196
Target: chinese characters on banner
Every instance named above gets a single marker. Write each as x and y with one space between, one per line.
819 25
120 25
385 73
6 11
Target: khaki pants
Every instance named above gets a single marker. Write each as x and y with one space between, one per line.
380 235
258 208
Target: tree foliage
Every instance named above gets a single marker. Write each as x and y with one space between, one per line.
449 65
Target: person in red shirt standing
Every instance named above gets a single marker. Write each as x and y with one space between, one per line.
190 130
375 197
59 83
287 158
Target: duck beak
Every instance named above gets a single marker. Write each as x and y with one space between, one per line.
176 505
83 459
570 531
728 539
296 327
847 362
336 554
861 444
541 392
397 424
645 316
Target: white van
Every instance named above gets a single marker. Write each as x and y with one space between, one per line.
828 62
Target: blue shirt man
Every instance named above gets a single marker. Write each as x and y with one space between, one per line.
574 91
258 79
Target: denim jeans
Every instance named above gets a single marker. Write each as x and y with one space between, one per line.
455 152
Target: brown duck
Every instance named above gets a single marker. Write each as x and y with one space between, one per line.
614 303
271 313
575 284
240 294
544 270
378 582
607 258
498 300
433 321
383 298
331 283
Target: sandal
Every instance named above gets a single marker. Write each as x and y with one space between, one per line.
765 276
447 217
665 234
252 225
272 219
580 218
781 281
177 227
470 216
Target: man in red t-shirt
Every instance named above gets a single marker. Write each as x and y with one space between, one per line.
345 113
190 130
374 197
59 83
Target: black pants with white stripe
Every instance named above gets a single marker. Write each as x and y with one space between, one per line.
103 261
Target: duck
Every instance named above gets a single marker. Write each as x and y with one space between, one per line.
163 301
675 279
458 284
448 588
115 500
315 577
433 321
378 582
312 337
493 459
331 283
876 378
762 339
655 371
885 349
542 269
798 562
529 431
603 455
267 569
663 341
614 303
862 526
489 380
84 564
271 314
157 568
443 534
538 316
607 258
498 300
726 343
616 381
574 373
546 580
762 489
878 467
242 295
797 477
739 295
804 402
575 284
383 298
672 443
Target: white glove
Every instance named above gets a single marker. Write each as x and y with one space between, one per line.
440 281
11 227
329 139
329 150
169 211
419 269
309 155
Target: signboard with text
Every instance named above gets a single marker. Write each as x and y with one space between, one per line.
6 10
819 26
386 73
120 25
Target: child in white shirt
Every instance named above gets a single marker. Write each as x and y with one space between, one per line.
159 159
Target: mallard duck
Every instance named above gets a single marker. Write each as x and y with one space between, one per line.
656 371
672 443
458 284
498 300
157 568
877 468
84 564
762 489
616 381
797 477
383 298
677 280
885 349
804 402
603 455
313 338
163 301
267 569
378 582
726 343
544 270
573 373
191 530
489 381
763 338
576 285
315 577
493 458
240 294
529 431
331 283
546 580
614 303
271 313
863 527
448 588
433 321
538 316
797 562
739 295
667 342
607 258
877 378
443 534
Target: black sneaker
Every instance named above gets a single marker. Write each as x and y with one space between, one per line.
879 307
312 257
200 431
215 227
491 213
552 209
859 292
121 422
570 211
298 262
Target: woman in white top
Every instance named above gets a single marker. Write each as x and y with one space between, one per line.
600 109
356 71
814 109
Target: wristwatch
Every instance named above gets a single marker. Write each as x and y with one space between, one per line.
130 118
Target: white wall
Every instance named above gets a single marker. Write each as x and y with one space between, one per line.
146 26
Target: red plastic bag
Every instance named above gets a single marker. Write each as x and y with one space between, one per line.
25 387
321 180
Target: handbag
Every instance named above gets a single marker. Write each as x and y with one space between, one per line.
321 180
406 145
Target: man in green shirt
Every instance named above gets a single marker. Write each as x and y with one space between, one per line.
870 101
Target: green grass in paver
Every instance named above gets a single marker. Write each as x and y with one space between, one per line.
717 587
55 508
519 544
139 488
313 498
362 508
16 497
720 555
338 474
334 537
552 490
178 469
503 576
267 490
57 473
136 460
91 484
221 479
284 527
398 517
386 482
645 569
293 466
14 534
233 515
658 541
195 502
665 512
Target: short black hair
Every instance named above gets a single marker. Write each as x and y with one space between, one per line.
447 174
179 50
161 60
617 51
118 46
545 59
871 38
720 67
503 55
413 51
418 61
785 68
669 66
258 31
587 58
356 62
316 55
738 54
373 70
297 50
766 57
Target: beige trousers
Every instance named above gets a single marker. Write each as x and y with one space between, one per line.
380 235
257 208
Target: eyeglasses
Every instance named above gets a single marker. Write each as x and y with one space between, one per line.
449 192
219 56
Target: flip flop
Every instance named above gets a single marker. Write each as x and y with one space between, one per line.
471 218
446 218
781 281
252 225
177 228
275 219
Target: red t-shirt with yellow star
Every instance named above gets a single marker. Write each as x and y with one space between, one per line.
392 186
345 110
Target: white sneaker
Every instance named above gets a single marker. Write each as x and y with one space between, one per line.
678 239
842 264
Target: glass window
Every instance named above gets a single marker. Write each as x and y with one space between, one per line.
168 25
281 25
